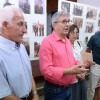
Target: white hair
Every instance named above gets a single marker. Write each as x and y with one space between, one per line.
7 14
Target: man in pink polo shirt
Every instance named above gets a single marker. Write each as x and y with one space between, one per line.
57 63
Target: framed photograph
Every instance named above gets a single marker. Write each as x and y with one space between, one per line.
65 6
91 13
77 10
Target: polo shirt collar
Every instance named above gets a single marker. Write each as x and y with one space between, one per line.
56 36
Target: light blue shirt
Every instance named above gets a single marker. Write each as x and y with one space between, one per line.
15 69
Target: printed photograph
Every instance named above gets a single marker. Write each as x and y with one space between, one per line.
39 7
36 49
86 40
89 27
25 6
38 29
98 23
65 6
99 15
26 25
26 44
91 13
77 10
78 21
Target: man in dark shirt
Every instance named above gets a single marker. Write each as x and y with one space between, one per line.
94 46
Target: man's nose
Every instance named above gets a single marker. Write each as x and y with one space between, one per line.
24 30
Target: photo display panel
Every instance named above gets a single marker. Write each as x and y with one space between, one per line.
35 15
86 17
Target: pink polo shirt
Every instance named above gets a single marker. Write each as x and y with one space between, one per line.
54 56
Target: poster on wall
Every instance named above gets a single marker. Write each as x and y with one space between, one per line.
26 44
89 27
77 10
91 13
65 6
39 7
86 17
25 6
35 15
78 21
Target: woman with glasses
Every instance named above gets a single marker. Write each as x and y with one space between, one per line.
79 87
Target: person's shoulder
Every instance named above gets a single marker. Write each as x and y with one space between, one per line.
48 39
22 46
95 36
41 7
36 6
78 43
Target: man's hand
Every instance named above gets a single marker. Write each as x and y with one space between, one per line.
88 64
77 69
81 76
11 97
35 97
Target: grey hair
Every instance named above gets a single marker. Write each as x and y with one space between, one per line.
56 15
6 14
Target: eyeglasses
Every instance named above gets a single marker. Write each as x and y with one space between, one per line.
64 21
73 33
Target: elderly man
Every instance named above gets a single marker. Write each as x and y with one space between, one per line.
57 63
16 81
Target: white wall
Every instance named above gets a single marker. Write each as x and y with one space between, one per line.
95 3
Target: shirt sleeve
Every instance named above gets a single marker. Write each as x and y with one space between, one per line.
76 61
4 87
91 43
47 67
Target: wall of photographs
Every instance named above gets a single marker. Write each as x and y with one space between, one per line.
86 17
35 16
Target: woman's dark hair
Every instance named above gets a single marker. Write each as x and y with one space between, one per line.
72 28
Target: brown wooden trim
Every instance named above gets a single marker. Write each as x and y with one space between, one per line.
53 4
35 68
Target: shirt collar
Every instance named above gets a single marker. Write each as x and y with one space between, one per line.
9 43
56 36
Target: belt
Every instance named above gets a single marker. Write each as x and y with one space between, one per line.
57 85
29 97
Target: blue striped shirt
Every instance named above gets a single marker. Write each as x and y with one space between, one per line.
15 69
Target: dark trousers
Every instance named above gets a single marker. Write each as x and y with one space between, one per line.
79 90
53 93
29 97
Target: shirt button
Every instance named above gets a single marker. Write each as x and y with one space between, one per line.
13 49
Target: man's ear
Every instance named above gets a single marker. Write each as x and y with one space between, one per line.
5 24
54 24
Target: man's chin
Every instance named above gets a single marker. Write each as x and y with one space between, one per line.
66 32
